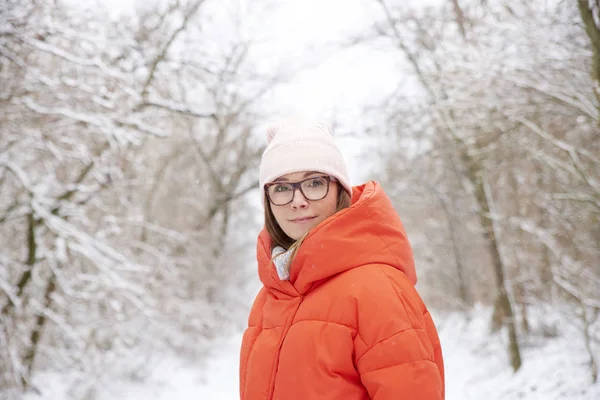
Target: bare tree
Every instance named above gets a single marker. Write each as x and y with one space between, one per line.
505 132
590 15
124 147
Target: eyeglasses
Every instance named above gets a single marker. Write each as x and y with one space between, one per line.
313 189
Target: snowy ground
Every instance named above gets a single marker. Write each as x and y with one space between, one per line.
218 380
476 367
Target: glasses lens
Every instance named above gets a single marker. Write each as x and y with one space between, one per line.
281 193
315 188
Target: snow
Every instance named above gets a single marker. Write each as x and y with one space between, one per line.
477 365
476 368
176 379
171 378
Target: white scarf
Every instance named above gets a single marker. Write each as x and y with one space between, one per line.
281 258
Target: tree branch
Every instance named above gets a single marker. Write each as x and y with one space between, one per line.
163 51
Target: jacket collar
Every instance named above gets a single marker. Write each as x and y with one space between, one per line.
368 232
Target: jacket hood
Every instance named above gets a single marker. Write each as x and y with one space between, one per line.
368 232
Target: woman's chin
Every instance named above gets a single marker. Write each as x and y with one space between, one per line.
297 233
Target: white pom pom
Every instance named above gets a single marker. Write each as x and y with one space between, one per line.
323 128
271 131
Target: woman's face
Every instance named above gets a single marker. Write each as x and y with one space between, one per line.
299 216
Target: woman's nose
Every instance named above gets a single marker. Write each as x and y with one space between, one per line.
299 200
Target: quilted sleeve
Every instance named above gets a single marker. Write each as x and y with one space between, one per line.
397 349
249 338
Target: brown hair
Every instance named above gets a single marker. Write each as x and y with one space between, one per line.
278 235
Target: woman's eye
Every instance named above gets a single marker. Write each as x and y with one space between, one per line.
316 182
282 188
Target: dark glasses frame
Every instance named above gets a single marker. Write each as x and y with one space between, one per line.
298 185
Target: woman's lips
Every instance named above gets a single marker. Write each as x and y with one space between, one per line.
302 220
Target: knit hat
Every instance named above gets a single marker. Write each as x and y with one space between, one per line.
297 145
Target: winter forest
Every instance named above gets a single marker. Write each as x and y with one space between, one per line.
130 136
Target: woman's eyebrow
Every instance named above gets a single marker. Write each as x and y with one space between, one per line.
306 174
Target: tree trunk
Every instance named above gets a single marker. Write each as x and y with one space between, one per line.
588 340
503 313
521 302
525 268
460 268
460 18
545 274
463 292
32 223
587 16
30 261
36 332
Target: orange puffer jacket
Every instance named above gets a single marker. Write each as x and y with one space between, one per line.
349 323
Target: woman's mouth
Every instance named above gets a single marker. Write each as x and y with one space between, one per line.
302 220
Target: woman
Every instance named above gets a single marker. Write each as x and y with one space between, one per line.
338 316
